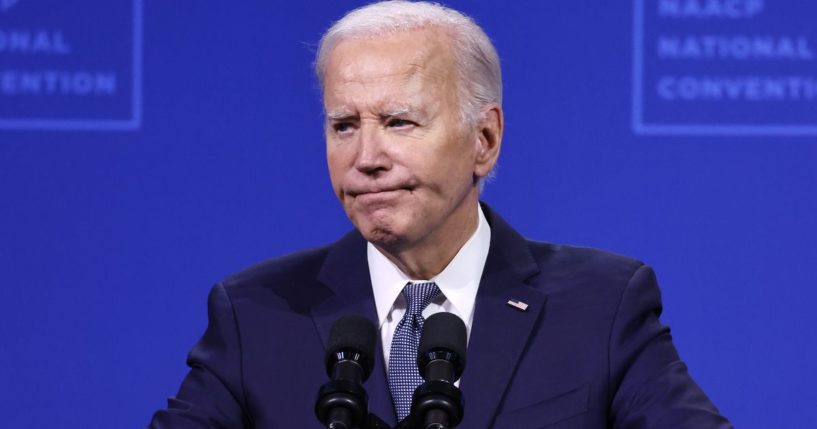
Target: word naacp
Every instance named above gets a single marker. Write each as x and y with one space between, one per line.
33 42
730 9
737 48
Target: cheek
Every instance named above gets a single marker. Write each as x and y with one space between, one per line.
454 162
340 154
334 163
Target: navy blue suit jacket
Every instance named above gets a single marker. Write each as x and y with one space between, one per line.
589 352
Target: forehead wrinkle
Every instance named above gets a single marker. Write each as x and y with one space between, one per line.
413 104
377 76
355 100
352 72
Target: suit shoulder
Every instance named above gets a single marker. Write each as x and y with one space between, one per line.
302 265
586 264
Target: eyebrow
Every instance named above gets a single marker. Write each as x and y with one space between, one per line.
340 115
346 115
397 111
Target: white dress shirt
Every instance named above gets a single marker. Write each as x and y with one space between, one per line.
458 283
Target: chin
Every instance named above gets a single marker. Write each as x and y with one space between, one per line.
383 238
381 231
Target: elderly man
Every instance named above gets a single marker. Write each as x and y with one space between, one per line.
558 336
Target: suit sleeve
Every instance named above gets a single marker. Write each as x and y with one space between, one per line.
211 395
650 384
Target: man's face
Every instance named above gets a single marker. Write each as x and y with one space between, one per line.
400 159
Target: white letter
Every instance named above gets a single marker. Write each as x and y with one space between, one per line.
105 84
803 49
753 7
664 88
668 8
688 88
668 47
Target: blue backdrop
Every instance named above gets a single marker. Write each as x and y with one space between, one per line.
148 150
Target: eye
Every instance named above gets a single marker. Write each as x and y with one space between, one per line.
342 127
399 123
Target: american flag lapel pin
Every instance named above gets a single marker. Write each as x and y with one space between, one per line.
519 305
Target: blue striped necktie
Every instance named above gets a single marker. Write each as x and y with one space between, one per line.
404 376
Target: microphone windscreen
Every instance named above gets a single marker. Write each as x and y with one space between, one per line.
444 331
353 333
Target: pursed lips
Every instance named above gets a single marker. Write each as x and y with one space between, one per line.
384 191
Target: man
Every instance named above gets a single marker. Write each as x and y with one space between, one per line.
559 337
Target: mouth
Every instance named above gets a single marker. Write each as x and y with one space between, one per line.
379 192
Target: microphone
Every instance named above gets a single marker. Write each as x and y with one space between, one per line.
342 402
437 403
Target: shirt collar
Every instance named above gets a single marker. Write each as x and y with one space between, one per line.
458 282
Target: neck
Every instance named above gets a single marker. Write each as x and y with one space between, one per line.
425 259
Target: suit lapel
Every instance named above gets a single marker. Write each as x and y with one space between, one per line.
500 332
346 273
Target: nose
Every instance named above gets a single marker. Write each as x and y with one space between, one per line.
372 157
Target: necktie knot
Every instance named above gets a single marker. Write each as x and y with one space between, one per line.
418 296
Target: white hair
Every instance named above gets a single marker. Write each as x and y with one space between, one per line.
479 75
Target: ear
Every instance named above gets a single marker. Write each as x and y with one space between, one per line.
489 139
